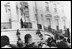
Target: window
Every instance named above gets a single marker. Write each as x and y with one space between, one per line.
27 25
26 7
47 6
24 10
55 9
57 27
49 21
21 9
39 26
57 23
27 16
48 18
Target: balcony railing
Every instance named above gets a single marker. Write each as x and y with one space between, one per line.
5 25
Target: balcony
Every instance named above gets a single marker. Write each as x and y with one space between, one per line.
5 25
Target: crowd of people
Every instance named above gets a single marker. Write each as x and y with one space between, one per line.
50 42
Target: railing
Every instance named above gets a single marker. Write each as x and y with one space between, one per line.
5 25
24 29
11 33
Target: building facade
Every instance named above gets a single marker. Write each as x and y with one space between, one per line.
32 15
46 13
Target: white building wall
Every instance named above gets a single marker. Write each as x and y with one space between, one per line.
4 17
14 16
32 14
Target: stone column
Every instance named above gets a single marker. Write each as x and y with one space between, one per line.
32 14
14 17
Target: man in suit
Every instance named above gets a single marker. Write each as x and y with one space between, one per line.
21 23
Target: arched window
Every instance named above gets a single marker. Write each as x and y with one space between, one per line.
48 18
